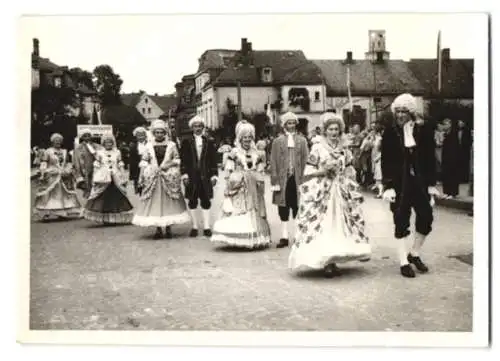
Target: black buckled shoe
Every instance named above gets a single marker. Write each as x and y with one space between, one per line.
207 232
283 243
158 234
417 262
168 232
407 271
193 233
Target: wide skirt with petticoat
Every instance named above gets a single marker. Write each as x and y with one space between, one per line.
57 200
328 231
110 207
161 210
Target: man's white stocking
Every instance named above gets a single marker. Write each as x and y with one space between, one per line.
418 242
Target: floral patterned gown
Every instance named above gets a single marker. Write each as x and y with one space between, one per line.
330 225
162 203
108 202
243 222
56 194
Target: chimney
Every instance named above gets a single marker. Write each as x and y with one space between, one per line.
244 46
349 57
249 47
445 55
36 47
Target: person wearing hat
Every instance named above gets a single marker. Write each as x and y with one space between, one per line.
56 195
136 152
289 154
84 157
408 161
199 173
162 204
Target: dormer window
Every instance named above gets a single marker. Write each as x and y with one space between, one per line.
267 75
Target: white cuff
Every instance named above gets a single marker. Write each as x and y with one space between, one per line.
143 164
214 178
176 161
184 177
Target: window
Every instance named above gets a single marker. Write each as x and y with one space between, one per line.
143 110
317 96
146 100
267 75
149 110
57 82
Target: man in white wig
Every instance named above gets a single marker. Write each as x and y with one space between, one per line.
409 179
136 152
289 154
84 157
199 173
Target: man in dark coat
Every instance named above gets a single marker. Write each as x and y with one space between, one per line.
409 178
199 173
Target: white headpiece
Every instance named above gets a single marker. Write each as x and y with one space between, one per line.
329 116
406 101
287 117
139 130
157 124
196 119
245 129
55 136
106 137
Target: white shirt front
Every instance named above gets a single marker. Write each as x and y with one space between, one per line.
199 145
408 135
141 147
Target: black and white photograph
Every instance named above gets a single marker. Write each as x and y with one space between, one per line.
260 172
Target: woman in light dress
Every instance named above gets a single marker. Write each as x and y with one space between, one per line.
162 203
330 225
56 195
108 202
243 222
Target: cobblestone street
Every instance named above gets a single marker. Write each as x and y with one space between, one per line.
85 276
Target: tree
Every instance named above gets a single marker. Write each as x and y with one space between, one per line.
108 85
82 77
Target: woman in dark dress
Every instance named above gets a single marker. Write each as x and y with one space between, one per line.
108 202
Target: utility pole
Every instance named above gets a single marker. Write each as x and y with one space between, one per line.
239 101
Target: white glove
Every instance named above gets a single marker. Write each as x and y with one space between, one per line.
389 195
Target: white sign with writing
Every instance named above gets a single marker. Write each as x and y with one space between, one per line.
97 130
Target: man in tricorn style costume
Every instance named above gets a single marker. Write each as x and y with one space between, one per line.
409 179
199 172
289 154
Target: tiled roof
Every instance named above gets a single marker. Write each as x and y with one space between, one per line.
457 77
391 77
214 58
288 67
130 99
165 102
121 114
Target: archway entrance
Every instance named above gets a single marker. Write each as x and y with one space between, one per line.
303 126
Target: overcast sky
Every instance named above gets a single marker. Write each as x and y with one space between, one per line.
154 52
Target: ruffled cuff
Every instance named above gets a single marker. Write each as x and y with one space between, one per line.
96 164
184 177
214 178
143 164
121 165
176 161
79 179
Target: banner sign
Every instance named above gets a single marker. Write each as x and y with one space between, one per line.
97 130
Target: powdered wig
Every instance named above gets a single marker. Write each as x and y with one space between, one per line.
287 117
244 130
405 101
328 119
158 124
108 138
196 120
139 130
55 137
